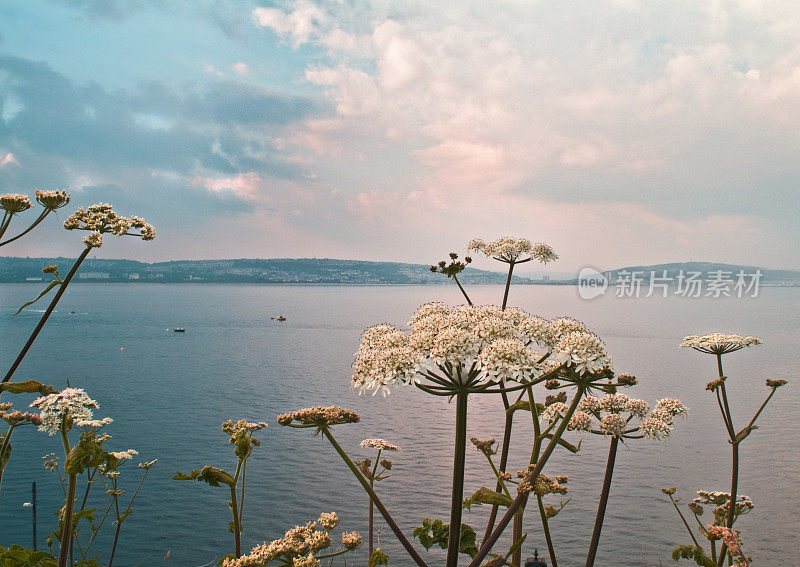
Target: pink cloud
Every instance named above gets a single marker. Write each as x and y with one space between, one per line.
244 184
8 160
240 68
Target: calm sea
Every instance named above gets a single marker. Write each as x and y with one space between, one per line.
169 392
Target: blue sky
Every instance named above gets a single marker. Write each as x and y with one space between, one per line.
620 132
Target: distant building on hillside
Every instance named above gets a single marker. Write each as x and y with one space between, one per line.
94 276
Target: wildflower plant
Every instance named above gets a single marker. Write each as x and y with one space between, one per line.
72 410
301 546
241 437
467 350
61 412
374 474
728 506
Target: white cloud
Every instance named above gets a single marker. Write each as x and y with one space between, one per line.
598 114
240 68
9 159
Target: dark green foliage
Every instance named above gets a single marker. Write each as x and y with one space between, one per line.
693 552
436 532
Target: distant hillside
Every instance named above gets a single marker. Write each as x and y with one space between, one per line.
706 270
275 271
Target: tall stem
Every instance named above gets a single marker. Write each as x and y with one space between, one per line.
61 289
3 452
236 528
372 508
516 535
457 496
504 448
66 532
522 498
26 231
508 283
118 528
378 504
601 506
463 292
546 528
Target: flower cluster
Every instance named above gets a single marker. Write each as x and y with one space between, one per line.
298 546
379 444
101 219
464 339
319 416
52 200
15 417
608 412
730 538
14 203
543 484
486 447
67 406
508 249
721 500
718 343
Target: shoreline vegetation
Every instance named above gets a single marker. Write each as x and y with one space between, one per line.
457 352
313 271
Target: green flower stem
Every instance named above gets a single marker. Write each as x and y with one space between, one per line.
3 451
601 505
241 497
6 221
237 536
500 482
372 506
378 504
121 517
522 498
118 527
516 535
755 417
537 447
464 293
546 528
26 231
457 495
342 552
61 289
508 284
685 523
66 532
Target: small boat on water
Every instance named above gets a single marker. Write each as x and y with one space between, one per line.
279 318
179 330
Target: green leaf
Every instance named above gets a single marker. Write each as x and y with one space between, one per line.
487 496
378 557
17 556
27 387
693 552
208 474
516 546
467 541
50 286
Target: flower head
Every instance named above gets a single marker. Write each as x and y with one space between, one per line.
52 200
14 203
67 406
613 424
583 352
508 249
320 416
486 447
101 219
718 343
379 444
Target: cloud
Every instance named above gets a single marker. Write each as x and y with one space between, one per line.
240 68
9 159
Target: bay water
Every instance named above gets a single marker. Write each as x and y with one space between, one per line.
169 392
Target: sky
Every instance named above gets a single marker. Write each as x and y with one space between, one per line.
619 132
